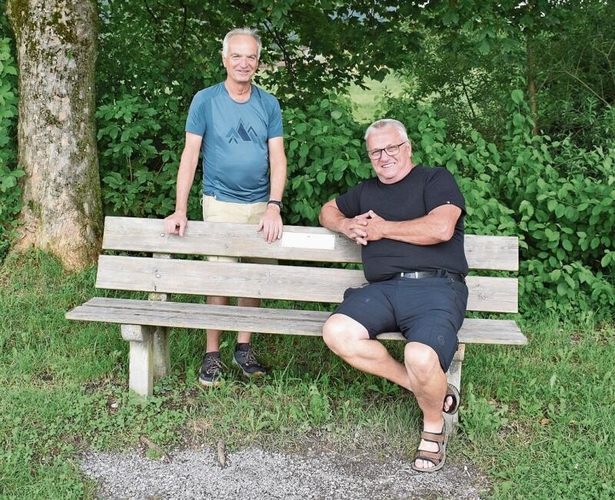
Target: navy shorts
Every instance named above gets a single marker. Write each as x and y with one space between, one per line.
429 311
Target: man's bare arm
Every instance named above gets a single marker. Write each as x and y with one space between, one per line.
271 221
176 222
436 227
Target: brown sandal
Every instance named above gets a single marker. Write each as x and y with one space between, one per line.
437 458
453 393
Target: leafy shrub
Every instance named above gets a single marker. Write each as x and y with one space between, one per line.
325 157
10 190
556 197
140 143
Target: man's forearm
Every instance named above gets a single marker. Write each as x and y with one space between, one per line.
182 192
331 218
278 182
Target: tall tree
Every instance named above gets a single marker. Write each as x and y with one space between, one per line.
475 52
56 52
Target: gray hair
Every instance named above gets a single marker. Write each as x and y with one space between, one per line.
387 122
242 31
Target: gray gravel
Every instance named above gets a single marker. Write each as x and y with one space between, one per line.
256 474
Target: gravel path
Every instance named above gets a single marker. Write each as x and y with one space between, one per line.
256 474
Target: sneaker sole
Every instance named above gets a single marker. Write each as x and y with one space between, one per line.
210 383
248 374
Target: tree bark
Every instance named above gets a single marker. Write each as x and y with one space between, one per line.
531 85
56 51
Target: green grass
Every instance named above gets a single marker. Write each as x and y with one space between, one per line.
536 419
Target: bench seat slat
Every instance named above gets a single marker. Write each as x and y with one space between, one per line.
278 282
264 320
298 243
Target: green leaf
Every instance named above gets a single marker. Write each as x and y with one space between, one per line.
484 47
607 259
567 245
518 120
517 96
450 17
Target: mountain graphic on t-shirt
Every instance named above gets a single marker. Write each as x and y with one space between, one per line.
241 133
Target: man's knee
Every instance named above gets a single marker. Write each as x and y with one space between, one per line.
339 331
421 358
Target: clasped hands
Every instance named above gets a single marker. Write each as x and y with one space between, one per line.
365 228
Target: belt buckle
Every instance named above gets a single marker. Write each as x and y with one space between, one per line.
411 275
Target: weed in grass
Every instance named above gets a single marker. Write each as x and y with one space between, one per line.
480 418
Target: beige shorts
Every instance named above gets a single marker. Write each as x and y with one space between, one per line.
224 211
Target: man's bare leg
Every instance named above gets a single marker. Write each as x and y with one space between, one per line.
244 337
350 341
421 373
429 386
213 336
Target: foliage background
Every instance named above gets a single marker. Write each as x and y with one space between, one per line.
512 98
515 98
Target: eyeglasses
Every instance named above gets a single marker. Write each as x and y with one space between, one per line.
391 150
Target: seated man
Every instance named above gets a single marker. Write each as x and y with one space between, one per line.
409 221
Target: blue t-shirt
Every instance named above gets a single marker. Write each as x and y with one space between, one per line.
414 196
235 135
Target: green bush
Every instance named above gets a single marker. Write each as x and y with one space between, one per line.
556 197
140 143
10 190
325 157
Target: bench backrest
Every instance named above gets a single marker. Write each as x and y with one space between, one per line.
307 248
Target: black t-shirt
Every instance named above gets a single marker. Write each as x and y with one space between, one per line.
422 190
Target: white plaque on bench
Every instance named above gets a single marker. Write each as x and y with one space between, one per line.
306 240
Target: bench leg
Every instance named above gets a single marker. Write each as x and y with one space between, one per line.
141 365
162 352
162 356
453 376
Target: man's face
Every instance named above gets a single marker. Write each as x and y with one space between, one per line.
241 62
390 168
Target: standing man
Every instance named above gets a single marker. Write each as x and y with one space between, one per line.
238 127
409 221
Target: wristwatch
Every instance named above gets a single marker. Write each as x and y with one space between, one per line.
275 202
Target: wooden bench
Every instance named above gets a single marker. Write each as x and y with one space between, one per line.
297 277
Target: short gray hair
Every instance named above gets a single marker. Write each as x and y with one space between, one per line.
242 31
387 122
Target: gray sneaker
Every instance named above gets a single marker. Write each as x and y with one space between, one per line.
210 374
247 362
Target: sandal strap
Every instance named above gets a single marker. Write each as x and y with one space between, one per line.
437 458
434 437
431 456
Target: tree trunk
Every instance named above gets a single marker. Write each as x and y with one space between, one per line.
531 85
56 50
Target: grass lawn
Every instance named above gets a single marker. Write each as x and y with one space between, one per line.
537 419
